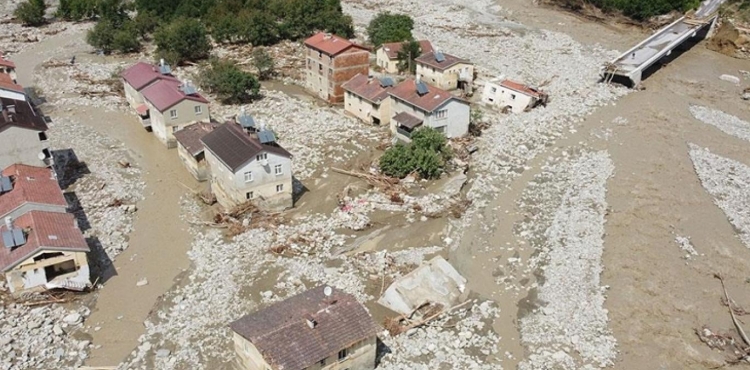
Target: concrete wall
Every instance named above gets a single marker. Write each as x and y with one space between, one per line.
199 169
164 126
446 80
361 356
20 145
496 95
455 123
30 274
30 206
132 95
364 109
325 74
231 189
382 60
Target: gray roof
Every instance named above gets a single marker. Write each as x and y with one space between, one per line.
234 147
406 119
282 335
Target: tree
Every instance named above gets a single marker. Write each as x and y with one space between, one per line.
387 27
109 36
263 62
31 12
183 39
102 36
426 154
76 10
229 82
409 51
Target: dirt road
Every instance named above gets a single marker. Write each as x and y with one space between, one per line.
160 240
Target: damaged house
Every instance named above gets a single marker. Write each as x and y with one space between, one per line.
415 104
190 148
512 96
42 247
322 328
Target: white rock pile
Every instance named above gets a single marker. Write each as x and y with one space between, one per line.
727 123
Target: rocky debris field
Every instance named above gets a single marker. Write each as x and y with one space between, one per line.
568 328
727 181
727 123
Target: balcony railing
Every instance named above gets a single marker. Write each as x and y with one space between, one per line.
403 132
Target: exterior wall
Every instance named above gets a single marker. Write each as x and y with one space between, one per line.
28 207
164 126
231 189
446 80
497 95
30 274
132 95
326 74
364 109
361 356
388 65
455 123
197 168
20 145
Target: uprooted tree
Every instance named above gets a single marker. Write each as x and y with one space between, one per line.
426 155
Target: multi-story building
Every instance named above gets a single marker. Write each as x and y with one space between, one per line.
512 96
23 137
331 61
367 99
387 54
445 71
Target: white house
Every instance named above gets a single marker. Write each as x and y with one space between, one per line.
415 104
513 96
367 98
23 137
246 166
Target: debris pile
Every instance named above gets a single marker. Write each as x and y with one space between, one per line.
82 83
686 246
727 123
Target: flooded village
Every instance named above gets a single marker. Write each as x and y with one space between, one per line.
501 185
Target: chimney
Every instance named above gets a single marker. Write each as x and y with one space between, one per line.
161 62
326 36
9 223
311 323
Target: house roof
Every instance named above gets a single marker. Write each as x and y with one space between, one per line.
392 48
190 137
430 60
7 83
24 117
521 88
367 88
166 93
141 74
406 119
330 44
52 231
282 335
5 62
435 97
30 185
234 147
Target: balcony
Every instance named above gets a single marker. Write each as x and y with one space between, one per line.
403 132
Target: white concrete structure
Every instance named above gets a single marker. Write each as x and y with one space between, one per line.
513 96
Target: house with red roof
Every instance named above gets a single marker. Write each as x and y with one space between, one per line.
9 89
330 62
8 68
41 246
367 98
445 71
23 137
512 96
416 104
386 54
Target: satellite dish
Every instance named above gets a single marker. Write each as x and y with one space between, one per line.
327 291
41 156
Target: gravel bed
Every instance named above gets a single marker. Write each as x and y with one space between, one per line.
725 122
728 182
568 329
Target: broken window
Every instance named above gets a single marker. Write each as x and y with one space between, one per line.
343 353
59 269
49 255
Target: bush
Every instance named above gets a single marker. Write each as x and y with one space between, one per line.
387 27
184 39
31 12
76 10
108 36
426 154
264 63
229 82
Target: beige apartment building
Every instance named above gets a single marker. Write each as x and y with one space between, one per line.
445 71
386 55
330 62
367 99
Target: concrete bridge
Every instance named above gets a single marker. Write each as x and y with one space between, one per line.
630 66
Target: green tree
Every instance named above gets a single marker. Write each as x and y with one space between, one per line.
263 62
145 23
426 154
410 50
396 161
126 39
109 36
387 27
183 39
31 12
76 10
231 84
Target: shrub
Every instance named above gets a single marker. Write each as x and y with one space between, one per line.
387 27
183 39
229 82
31 12
263 62
108 36
76 10
426 154
409 51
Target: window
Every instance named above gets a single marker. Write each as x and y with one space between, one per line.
42 136
175 128
173 113
279 188
249 195
494 89
248 176
277 169
322 362
320 54
261 156
440 129
330 71
441 114
198 110
343 353
320 68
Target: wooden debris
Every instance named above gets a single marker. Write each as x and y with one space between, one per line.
123 163
737 325
378 181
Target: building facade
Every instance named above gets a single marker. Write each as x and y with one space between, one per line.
512 96
23 137
244 169
330 62
386 55
430 107
367 99
173 106
191 151
445 71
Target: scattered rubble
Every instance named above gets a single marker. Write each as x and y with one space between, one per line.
727 181
686 246
729 78
727 123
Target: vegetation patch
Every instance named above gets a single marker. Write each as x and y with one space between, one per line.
426 155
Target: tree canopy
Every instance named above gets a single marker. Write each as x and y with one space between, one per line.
388 27
31 12
409 51
636 9
263 62
426 154
231 84
183 39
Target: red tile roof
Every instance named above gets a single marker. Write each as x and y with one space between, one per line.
330 44
141 74
435 97
392 48
450 60
190 136
369 89
30 185
282 335
523 89
6 63
49 231
166 93
7 83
